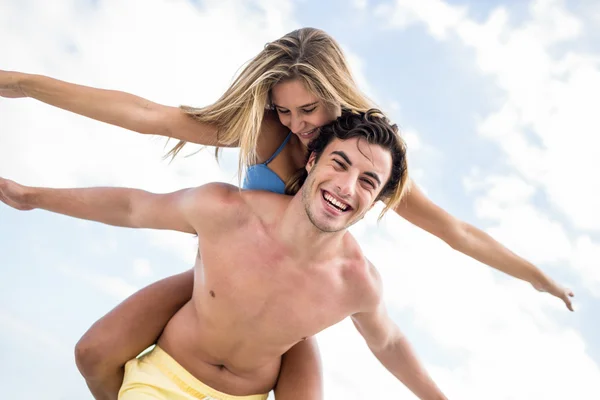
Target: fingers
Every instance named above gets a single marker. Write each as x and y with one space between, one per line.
570 306
567 300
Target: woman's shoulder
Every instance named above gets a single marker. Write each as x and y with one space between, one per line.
272 134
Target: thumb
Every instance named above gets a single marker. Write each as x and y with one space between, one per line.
567 301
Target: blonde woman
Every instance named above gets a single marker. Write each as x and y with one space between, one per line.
272 110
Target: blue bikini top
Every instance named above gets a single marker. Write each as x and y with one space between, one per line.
261 177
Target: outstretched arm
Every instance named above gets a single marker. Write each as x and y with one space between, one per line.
133 208
389 345
113 107
394 351
461 236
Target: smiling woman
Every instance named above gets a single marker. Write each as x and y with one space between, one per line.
301 110
272 111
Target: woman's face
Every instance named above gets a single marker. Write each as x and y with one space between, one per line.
300 110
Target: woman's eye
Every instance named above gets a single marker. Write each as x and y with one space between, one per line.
309 110
283 111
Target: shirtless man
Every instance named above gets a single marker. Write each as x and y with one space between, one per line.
272 269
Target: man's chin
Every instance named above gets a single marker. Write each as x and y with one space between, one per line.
328 228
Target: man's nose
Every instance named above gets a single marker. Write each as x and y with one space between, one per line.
346 185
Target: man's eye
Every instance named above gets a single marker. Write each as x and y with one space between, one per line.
339 164
369 182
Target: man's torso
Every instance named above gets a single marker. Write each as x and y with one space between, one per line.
254 299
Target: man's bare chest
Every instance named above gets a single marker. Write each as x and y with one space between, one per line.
251 284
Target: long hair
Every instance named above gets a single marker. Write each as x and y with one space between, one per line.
375 128
308 54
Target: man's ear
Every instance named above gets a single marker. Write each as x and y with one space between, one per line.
311 161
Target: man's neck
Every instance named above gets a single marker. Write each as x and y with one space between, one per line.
299 233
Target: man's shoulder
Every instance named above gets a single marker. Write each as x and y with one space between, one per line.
215 203
365 281
224 201
215 194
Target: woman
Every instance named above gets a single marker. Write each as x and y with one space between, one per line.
271 111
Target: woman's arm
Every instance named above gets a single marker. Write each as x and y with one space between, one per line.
127 330
461 236
113 107
301 377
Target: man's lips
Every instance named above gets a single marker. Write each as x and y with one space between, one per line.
336 202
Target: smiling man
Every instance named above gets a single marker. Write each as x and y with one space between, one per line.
273 269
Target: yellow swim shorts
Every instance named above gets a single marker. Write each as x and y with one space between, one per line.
156 375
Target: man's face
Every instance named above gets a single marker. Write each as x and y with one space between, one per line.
343 185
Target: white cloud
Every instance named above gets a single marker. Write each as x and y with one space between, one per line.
545 126
586 257
518 224
32 337
181 245
182 54
546 122
142 268
108 53
492 326
360 4
438 15
114 286
357 67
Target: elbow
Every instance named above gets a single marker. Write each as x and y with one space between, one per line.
379 347
132 215
383 344
457 236
89 357
151 119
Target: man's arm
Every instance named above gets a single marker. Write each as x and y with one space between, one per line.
133 208
391 347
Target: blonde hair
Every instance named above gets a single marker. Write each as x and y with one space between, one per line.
308 54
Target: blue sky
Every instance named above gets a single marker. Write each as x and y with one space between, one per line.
496 101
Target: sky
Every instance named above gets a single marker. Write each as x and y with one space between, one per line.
496 100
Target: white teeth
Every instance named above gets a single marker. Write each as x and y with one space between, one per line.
336 203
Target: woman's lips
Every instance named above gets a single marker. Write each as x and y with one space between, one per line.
308 134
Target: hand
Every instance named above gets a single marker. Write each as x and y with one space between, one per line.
556 290
15 195
10 84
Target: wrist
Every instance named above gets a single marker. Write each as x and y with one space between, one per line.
540 281
26 83
31 197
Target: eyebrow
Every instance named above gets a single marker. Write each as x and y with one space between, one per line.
302 106
345 157
374 176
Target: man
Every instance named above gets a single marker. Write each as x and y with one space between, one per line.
272 270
